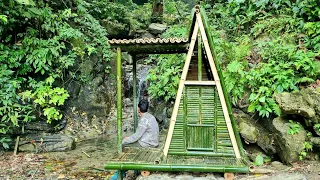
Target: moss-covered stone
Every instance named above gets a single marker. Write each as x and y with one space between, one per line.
295 103
288 146
253 132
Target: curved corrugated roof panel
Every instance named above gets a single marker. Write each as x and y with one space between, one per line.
151 45
147 41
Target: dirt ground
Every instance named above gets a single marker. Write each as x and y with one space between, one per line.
84 165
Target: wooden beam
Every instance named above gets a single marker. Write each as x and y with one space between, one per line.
200 83
218 84
180 89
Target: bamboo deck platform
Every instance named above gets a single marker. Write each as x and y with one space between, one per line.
152 159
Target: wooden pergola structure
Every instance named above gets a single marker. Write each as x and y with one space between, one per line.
202 135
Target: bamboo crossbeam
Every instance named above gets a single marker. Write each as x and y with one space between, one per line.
219 88
200 83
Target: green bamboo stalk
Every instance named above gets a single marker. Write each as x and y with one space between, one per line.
199 58
178 167
119 100
135 100
199 153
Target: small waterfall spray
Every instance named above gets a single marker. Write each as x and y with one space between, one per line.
142 81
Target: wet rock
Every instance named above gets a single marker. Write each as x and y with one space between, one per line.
316 129
282 176
40 126
249 133
164 176
156 28
73 89
161 111
278 166
253 132
143 34
305 103
142 84
288 146
184 177
115 29
315 141
253 150
46 143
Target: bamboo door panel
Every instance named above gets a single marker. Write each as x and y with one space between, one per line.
199 106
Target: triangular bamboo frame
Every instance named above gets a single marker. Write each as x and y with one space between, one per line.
199 25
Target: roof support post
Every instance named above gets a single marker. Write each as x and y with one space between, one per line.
135 100
119 100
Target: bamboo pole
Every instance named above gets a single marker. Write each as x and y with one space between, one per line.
219 88
135 100
16 146
199 58
119 100
177 167
180 89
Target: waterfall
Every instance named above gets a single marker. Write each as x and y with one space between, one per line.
142 84
142 81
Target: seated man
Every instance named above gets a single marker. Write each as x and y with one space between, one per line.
147 133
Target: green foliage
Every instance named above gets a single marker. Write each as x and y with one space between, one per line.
47 98
307 147
258 161
294 128
3 18
313 31
176 12
283 68
124 15
302 155
4 141
164 78
41 40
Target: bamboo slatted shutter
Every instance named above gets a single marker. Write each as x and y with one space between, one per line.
201 123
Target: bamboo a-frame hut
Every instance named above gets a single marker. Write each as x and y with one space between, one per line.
202 135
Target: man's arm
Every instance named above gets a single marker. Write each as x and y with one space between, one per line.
142 127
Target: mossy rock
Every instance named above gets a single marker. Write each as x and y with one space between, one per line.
288 146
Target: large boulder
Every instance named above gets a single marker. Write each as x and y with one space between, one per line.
288 146
253 132
315 141
295 103
46 143
39 126
162 112
305 103
156 28
90 110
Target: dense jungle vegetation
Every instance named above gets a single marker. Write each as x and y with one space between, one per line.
264 47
